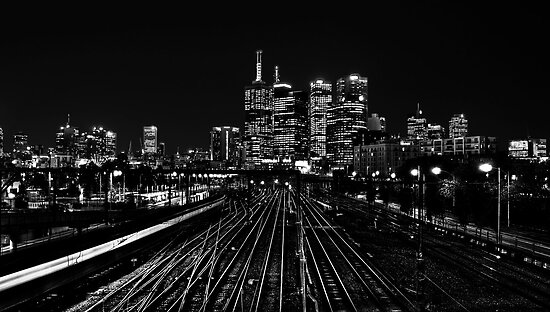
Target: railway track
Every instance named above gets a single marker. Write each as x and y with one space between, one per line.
166 269
248 291
346 276
476 263
237 271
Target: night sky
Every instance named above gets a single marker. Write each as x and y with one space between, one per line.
184 71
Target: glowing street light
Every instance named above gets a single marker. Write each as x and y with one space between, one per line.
487 168
419 257
436 170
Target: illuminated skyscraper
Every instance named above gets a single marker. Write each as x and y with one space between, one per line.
417 125
161 150
110 143
66 139
320 99
1 141
150 138
436 131
458 126
100 142
289 122
345 118
258 123
225 145
20 143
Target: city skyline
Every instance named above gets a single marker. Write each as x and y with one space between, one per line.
477 62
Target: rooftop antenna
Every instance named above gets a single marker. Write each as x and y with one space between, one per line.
68 119
277 74
258 65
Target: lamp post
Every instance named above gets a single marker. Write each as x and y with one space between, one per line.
421 178
437 171
508 200
514 178
487 168
419 257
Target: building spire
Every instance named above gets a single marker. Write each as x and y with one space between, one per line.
68 119
258 65
277 79
418 110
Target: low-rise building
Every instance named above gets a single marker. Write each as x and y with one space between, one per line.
384 157
460 146
533 149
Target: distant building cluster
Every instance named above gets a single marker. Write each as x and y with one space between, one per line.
326 128
329 126
72 147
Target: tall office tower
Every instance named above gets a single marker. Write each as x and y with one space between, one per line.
417 126
289 122
100 142
20 143
258 122
383 124
435 131
66 139
161 149
1 141
225 145
458 126
320 98
150 137
346 116
110 143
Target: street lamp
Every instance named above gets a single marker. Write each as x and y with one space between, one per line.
514 178
419 257
487 168
437 171
416 173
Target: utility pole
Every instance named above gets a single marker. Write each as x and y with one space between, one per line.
299 215
508 196
498 207
420 300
